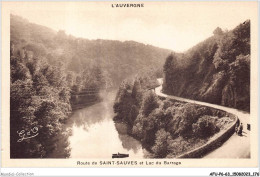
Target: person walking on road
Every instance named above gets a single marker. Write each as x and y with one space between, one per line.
236 128
240 129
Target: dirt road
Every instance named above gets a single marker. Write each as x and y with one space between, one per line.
236 146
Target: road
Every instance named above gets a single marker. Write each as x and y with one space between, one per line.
236 146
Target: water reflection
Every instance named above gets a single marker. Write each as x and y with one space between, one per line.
95 135
128 142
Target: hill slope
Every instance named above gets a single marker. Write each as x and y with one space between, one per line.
118 59
216 70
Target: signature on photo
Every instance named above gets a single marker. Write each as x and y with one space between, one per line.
27 134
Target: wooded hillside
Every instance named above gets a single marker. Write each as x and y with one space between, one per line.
216 70
118 60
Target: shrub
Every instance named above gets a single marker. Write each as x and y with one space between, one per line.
165 104
205 127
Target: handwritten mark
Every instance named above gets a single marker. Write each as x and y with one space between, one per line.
27 135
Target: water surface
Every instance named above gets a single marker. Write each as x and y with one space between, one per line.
95 135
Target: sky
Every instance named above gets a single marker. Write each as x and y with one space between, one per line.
172 25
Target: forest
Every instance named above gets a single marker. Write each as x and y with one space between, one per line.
118 60
53 73
165 128
216 70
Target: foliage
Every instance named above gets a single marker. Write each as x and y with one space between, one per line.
213 70
129 99
124 102
118 60
39 98
168 69
165 127
205 127
218 31
161 146
146 127
150 102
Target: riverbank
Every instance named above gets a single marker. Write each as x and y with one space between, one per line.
94 133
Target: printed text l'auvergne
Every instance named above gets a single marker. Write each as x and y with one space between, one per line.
127 5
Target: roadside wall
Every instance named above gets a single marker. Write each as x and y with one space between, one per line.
212 144
218 140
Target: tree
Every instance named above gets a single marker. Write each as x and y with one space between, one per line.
39 99
165 104
132 114
150 102
239 84
137 129
231 45
71 79
124 102
169 69
187 116
137 92
99 77
218 31
161 146
205 127
168 63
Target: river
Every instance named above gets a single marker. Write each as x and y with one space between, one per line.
95 135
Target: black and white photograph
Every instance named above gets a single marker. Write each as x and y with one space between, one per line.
122 82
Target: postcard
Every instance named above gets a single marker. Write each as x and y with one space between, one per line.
130 84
